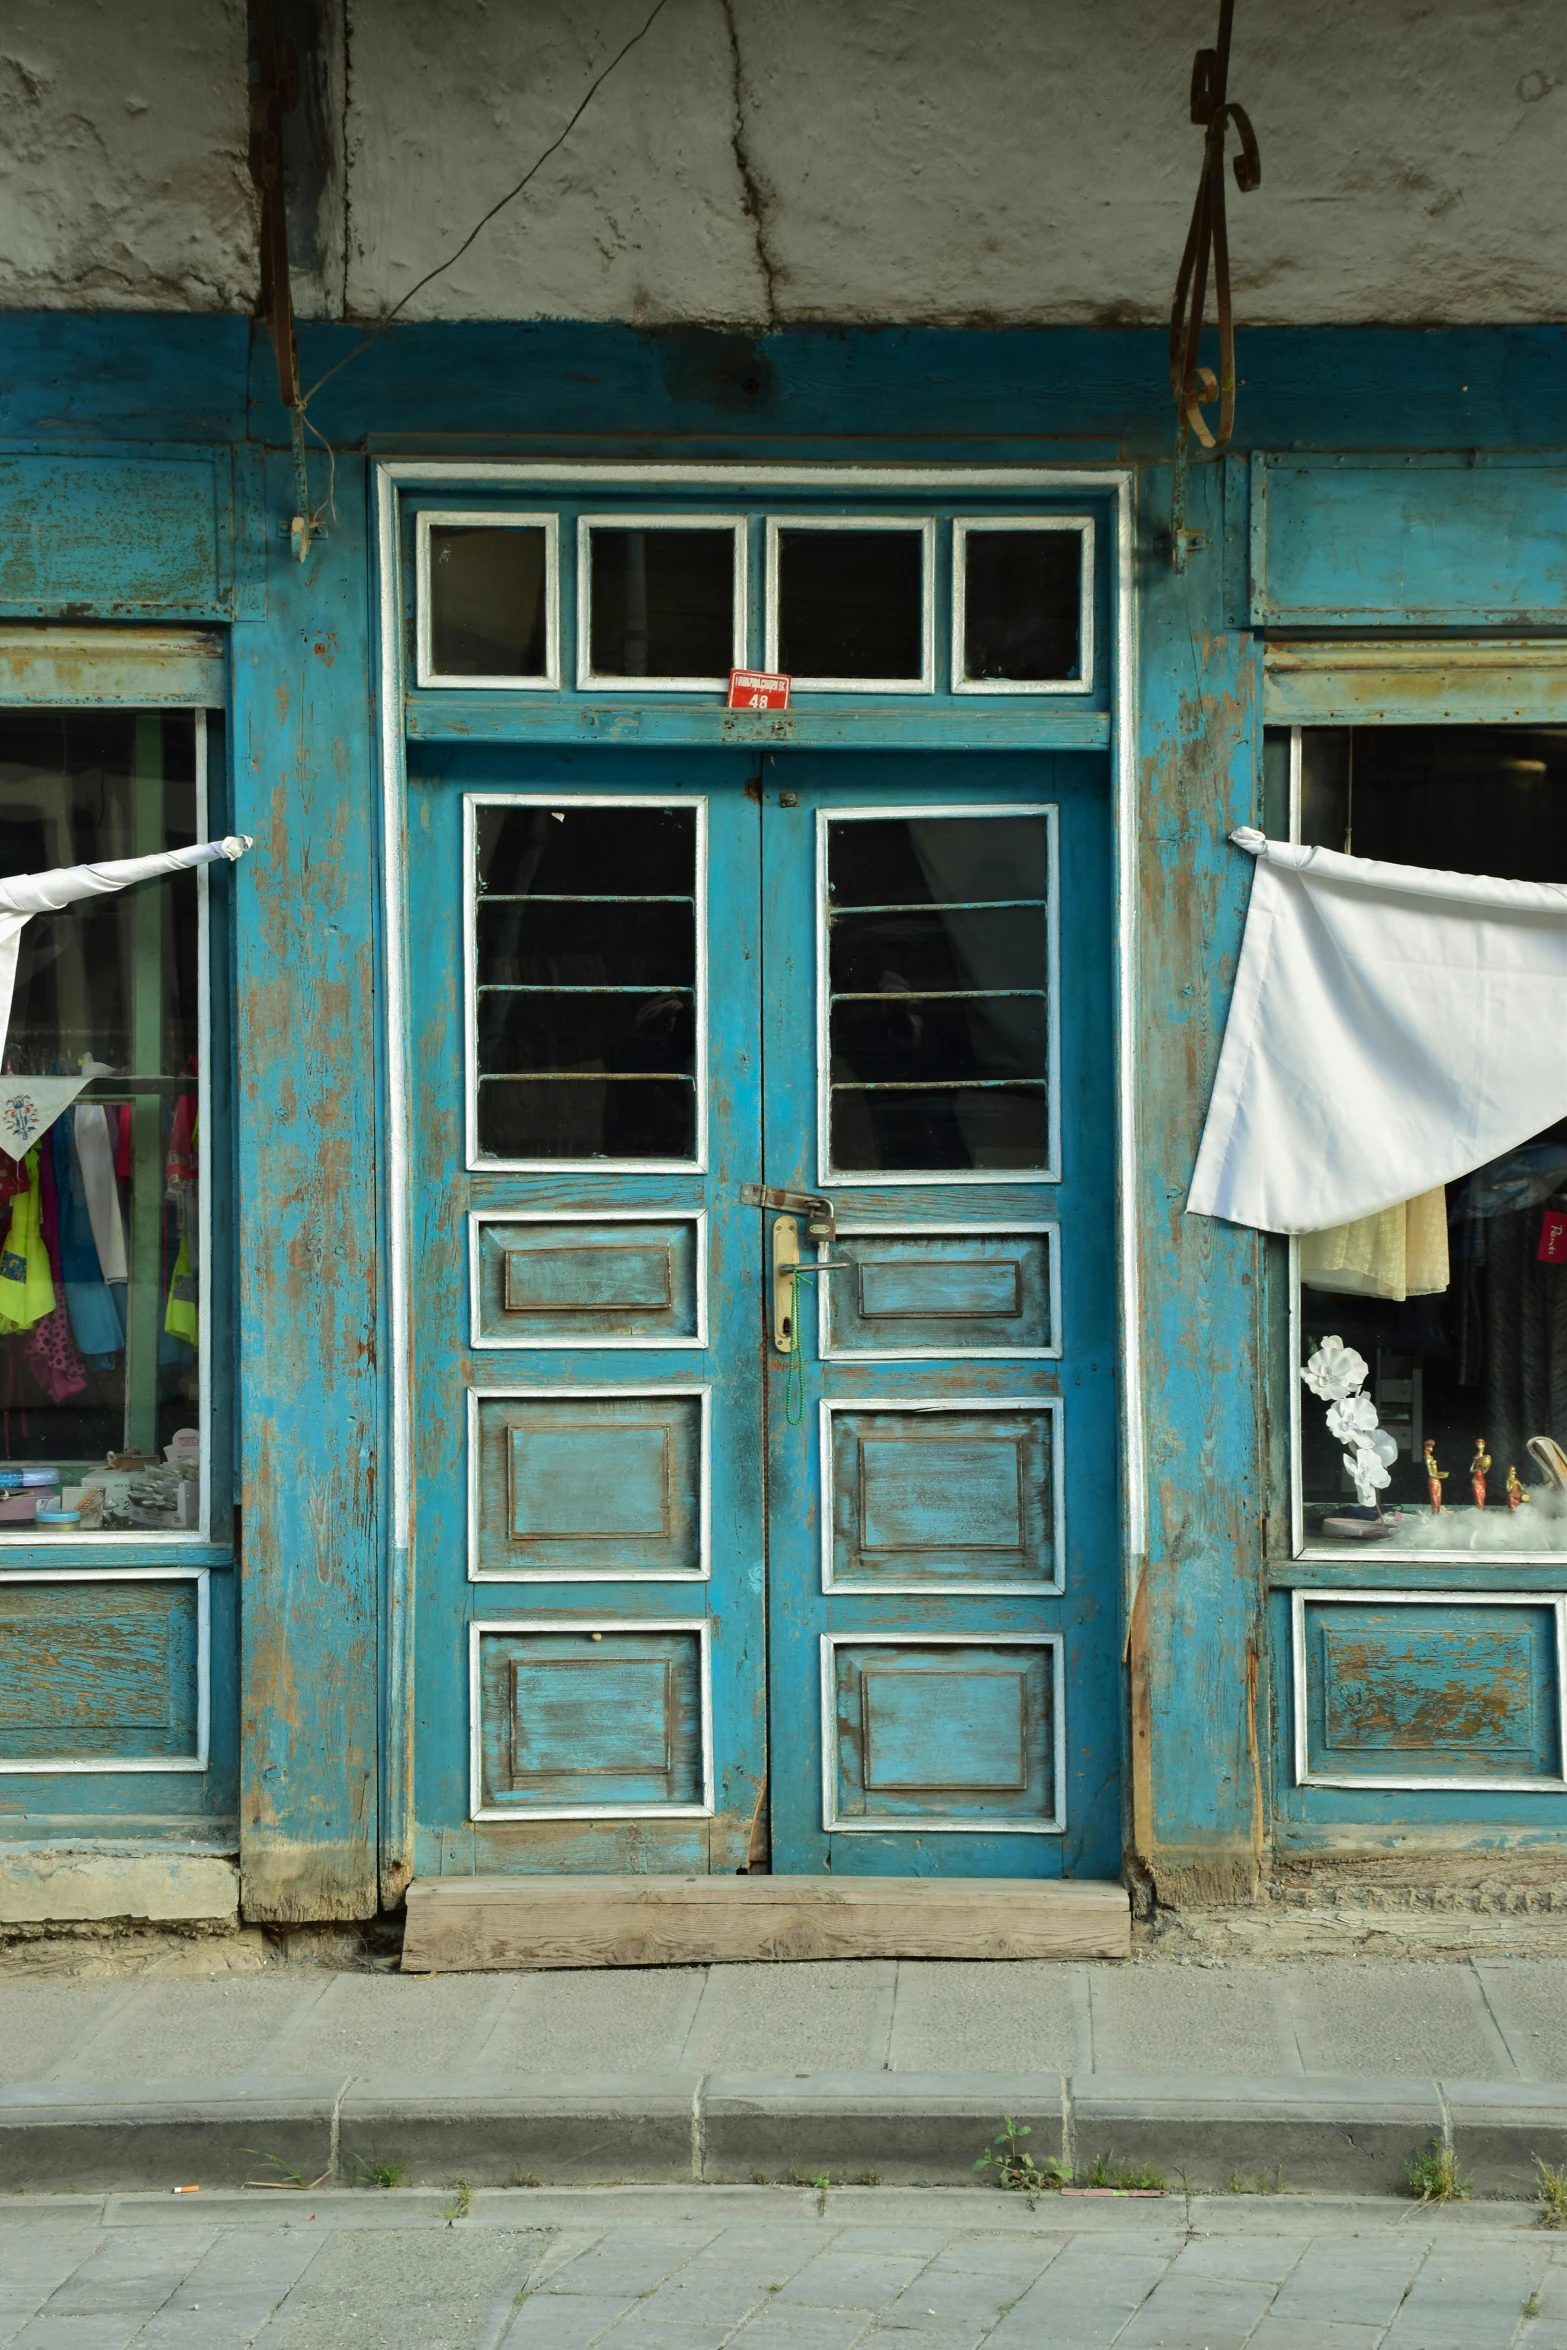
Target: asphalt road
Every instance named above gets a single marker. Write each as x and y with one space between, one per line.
771 2269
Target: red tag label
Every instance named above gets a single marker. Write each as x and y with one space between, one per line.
1553 1237
758 689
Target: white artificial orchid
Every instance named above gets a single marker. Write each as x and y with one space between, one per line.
1366 1467
1351 1418
1335 1371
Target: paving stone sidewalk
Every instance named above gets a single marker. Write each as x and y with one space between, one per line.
1330 2073
702 2269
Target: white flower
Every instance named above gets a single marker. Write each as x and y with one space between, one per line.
1365 1467
1335 1370
1351 1418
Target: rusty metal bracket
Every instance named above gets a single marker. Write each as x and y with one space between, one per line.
1193 386
275 87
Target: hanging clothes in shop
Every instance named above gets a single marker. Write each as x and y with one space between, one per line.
26 1284
51 1350
1399 1253
97 1315
1390 1029
182 1312
96 1154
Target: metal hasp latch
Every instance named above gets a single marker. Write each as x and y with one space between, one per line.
820 1214
820 1225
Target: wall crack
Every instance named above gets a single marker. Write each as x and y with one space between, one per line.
752 196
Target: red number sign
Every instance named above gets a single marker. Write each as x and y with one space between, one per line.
758 689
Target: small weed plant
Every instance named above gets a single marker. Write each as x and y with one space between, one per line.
378 2170
1434 2175
1531 2307
1265 2183
1108 2170
1551 2195
461 2203
1015 2166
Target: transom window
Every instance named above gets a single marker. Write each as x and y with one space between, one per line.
851 602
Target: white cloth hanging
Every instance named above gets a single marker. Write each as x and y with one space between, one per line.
1390 1029
27 894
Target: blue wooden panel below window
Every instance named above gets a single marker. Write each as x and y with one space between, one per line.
600 1485
929 1733
577 1721
573 1283
951 1499
1436 1690
101 1670
941 1293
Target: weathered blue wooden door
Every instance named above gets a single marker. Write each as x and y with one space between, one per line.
943 1537
721 1566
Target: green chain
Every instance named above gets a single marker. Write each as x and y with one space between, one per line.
794 1378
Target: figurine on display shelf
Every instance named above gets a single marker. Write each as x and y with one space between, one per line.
1517 1491
1435 1478
1477 1472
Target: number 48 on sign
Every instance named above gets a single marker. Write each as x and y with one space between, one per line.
758 689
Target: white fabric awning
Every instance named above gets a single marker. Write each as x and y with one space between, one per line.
1391 1029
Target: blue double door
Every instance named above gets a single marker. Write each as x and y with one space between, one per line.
765 1342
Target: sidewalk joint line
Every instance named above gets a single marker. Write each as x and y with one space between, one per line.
698 2131
1447 2117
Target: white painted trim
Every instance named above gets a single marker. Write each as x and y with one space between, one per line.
697 1217
939 1354
891 1406
1555 1601
426 674
392 475
609 681
1083 682
474 800
833 1825
1124 782
925 682
204 1154
831 1178
98 1767
479 1810
558 1394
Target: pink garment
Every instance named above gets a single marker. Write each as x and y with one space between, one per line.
122 1144
52 1357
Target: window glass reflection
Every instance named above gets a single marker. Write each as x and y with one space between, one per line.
662 602
1022 605
586 982
1460 1319
489 601
938 936
100 1261
851 603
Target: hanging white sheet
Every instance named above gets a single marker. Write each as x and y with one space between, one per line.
27 894
1391 1029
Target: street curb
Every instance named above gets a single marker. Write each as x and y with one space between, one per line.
1303 2134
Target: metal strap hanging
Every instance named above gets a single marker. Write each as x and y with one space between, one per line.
1194 386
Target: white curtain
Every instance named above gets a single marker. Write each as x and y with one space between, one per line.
1390 1030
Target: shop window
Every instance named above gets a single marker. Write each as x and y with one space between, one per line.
939 1007
1457 1304
849 607
105 1262
660 602
587 1006
1022 605
487 600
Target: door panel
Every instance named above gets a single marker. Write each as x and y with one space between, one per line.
943 1545
590 1651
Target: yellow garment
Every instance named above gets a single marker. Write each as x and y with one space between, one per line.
182 1317
26 1283
1401 1252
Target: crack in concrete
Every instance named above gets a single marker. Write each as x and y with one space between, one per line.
752 198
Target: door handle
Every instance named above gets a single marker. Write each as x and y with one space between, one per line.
820 1214
788 1270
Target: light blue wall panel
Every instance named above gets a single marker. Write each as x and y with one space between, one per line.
949 1499
134 538
942 1293
925 1733
544 1282
102 1669
581 1719
1456 542
602 1485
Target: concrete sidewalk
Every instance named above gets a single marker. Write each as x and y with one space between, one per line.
1322 2074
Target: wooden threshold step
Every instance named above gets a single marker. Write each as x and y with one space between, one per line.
458 1924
